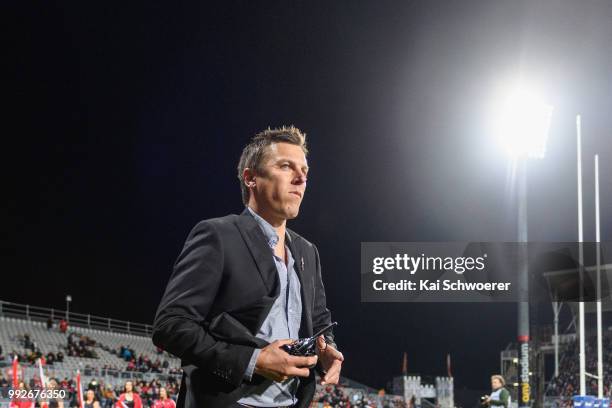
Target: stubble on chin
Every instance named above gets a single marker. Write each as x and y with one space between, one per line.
292 213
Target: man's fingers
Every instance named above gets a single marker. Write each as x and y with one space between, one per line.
335 353
300 372
333 371
335 380
281 365
331 378
333 374
304 361
283 342
324 347
321 342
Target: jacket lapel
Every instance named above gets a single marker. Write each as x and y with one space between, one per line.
260 251
305 325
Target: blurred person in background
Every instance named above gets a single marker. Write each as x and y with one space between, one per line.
108 397
129 398
55 402
499 397
4 386
90 400
164 401
20 401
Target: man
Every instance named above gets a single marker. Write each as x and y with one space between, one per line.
499 395
244 286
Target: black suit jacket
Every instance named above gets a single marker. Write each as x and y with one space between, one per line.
221 290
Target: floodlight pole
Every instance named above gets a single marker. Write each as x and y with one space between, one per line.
68 300
530 142
523 288
556 311
597 249
580 261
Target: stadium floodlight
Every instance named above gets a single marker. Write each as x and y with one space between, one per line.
68 300
524 123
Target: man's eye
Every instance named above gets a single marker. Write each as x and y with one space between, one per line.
285 165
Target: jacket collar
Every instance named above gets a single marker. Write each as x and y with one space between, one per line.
267 228
257 242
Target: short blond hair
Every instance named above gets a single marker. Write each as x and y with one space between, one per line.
254 153
500 378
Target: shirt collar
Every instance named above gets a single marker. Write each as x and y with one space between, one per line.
266 227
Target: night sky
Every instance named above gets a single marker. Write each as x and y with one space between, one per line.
126 122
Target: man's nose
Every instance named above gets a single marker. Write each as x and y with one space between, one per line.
300 178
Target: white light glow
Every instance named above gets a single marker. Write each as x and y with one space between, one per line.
524 122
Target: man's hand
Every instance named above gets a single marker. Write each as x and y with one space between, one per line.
331 361
276 364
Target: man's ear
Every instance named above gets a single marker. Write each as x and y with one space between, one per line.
248 177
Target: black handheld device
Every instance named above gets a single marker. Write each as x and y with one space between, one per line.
306 347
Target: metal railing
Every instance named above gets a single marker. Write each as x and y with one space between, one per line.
108 376
42 314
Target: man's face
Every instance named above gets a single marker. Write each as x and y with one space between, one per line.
281 182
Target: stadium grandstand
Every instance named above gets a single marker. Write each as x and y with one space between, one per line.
554 357
103 354
555 390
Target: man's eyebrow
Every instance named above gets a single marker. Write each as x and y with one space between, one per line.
283 159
